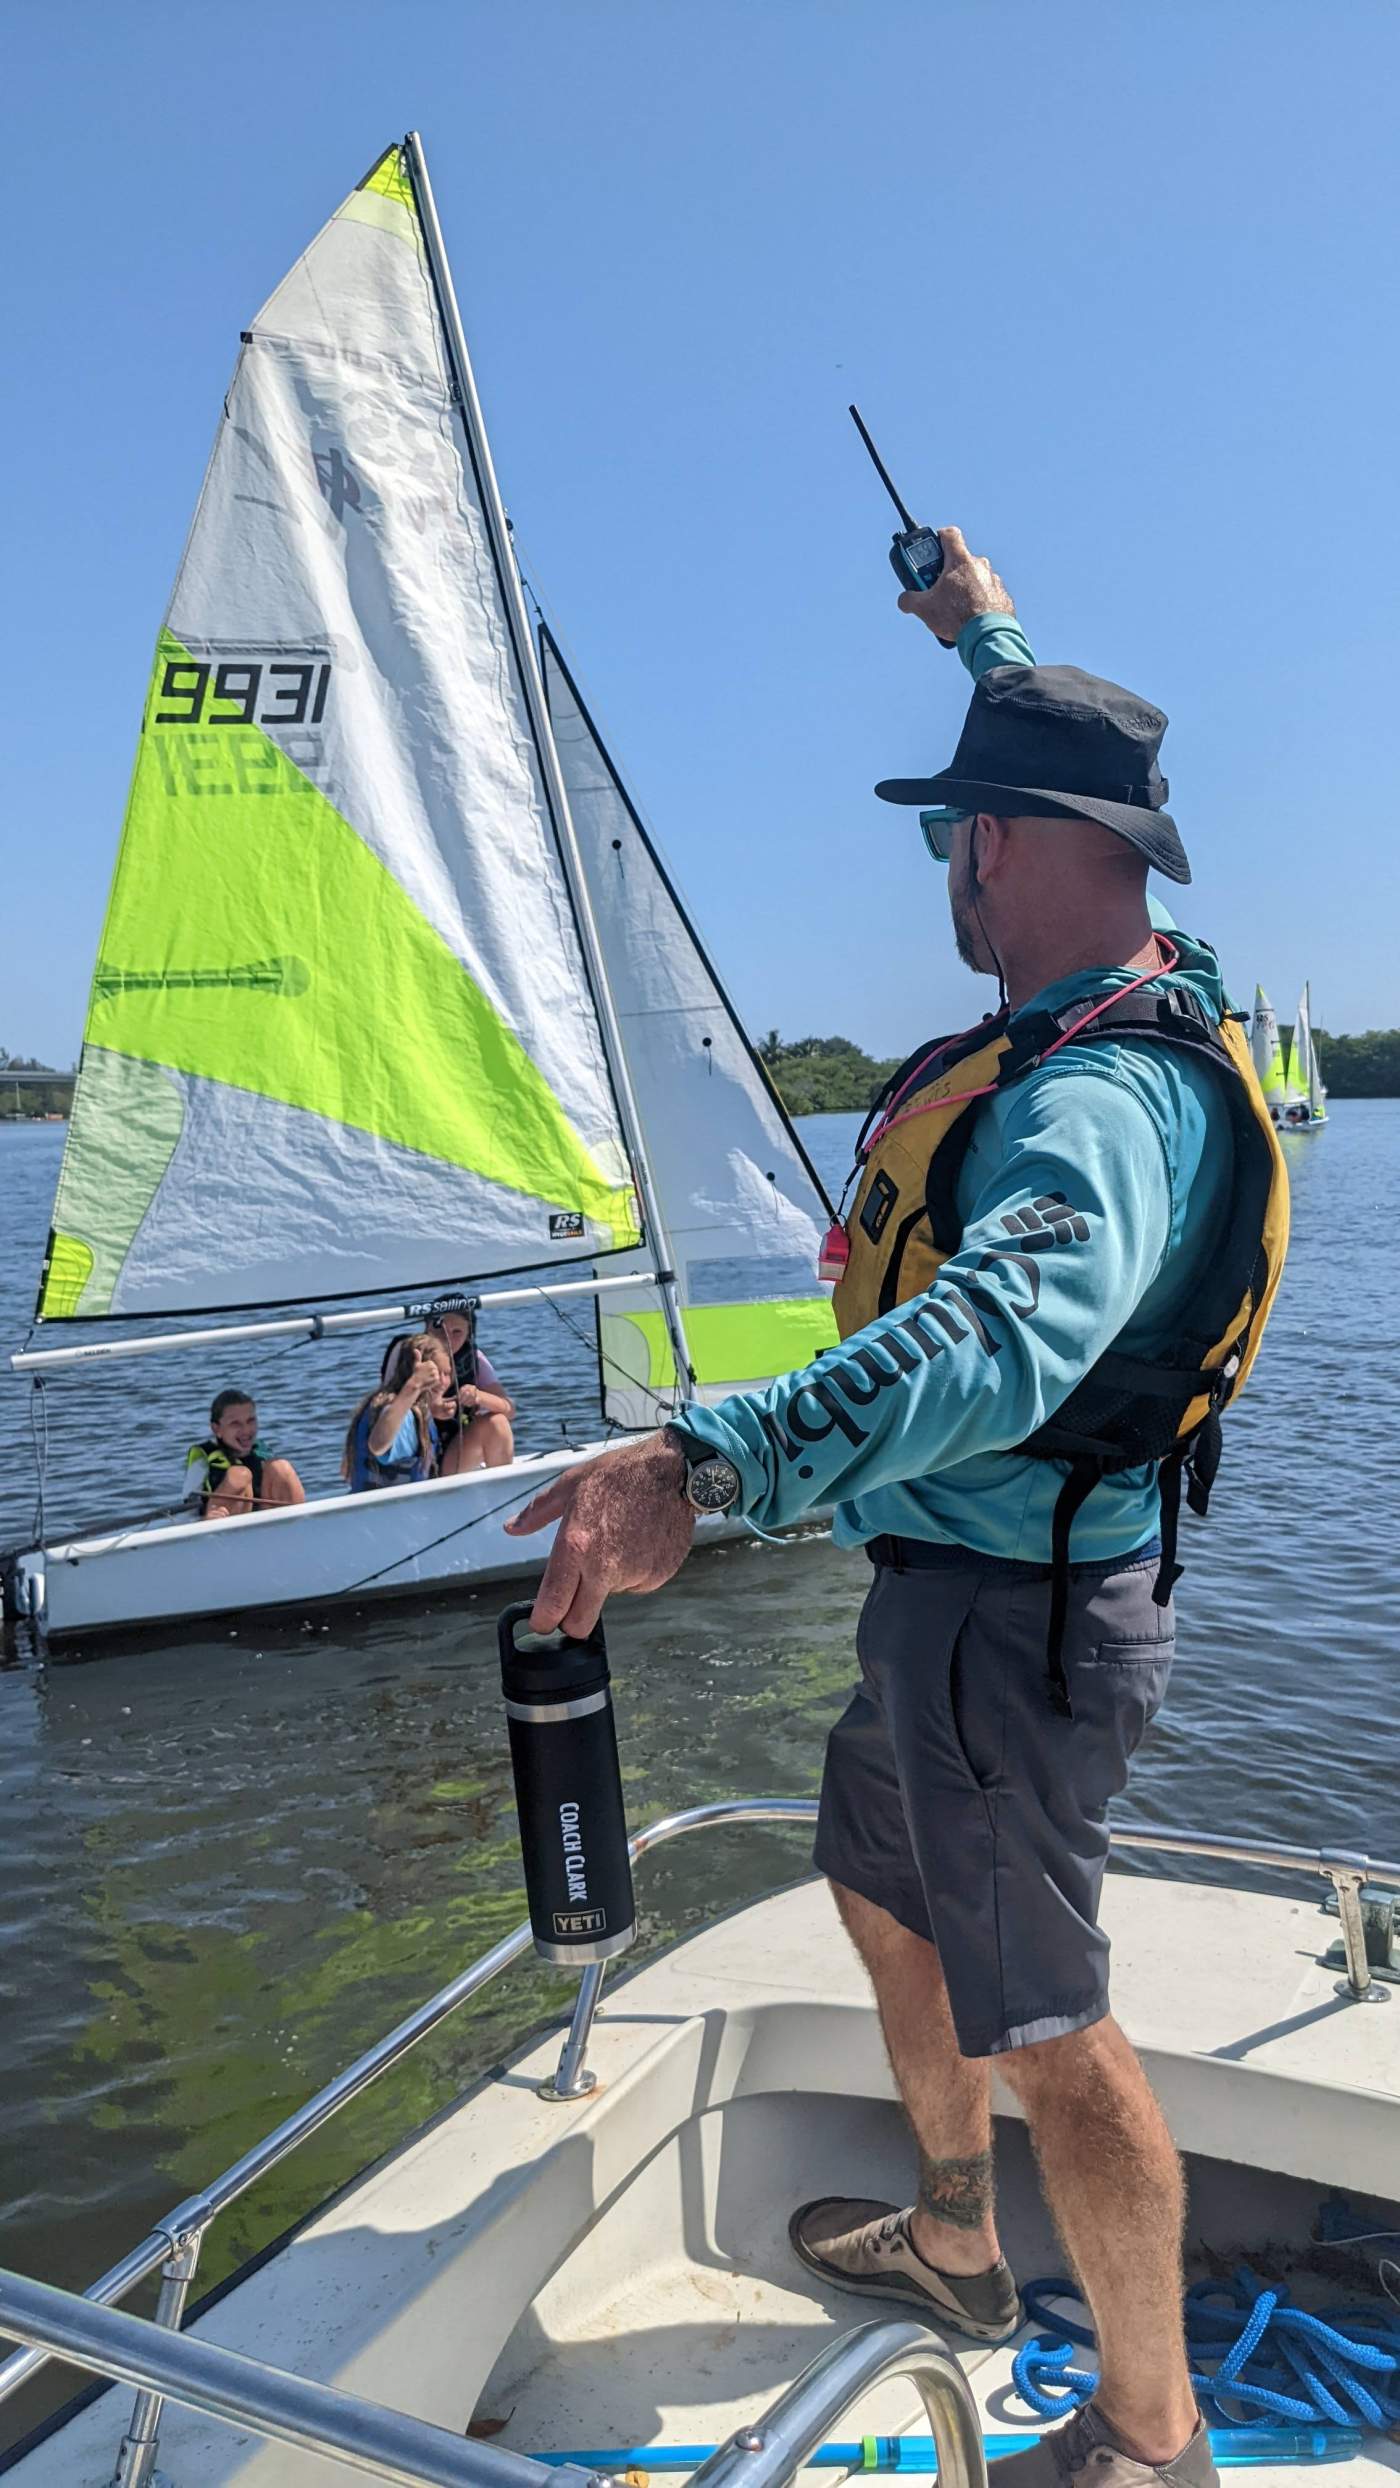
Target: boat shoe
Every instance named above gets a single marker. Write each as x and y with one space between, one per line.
865 2247
1085 2453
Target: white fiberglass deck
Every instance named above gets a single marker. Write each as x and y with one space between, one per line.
615 2270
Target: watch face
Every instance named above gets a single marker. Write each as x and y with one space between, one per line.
713 1485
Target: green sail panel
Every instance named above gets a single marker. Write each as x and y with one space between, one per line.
732 1346
340 1036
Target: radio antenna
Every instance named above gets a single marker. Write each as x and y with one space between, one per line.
880 468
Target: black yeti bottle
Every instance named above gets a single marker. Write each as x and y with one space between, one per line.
568 1792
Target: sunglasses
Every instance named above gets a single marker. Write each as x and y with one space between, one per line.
938 828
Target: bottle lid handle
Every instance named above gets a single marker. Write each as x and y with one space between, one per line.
544 1645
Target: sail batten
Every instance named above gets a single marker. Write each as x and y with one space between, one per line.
341 1037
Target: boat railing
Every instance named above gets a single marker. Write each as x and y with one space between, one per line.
389 2445
173 2246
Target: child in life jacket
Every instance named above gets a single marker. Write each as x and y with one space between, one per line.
392 1438
234 1472
475 1422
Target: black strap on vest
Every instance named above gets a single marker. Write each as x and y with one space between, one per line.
1196 1461
1169 1571
1205 1460
1083 1477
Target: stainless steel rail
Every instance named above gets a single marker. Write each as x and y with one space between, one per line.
770 2452
172 2244
1343 1869
414 2453
241 2391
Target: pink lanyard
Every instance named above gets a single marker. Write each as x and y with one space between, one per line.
1167 959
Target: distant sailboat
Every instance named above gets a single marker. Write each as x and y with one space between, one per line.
1305 1098
1291 1083
393 991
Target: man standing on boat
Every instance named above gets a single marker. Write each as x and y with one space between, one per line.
1042 1264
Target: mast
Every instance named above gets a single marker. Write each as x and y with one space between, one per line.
527 660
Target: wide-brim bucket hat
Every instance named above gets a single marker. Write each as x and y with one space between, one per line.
1048 740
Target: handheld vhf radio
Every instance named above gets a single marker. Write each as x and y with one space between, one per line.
916 556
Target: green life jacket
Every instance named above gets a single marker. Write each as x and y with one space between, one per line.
218 1459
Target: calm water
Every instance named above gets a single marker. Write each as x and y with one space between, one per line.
233 1857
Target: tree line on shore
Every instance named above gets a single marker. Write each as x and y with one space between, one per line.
822 1075
830 1075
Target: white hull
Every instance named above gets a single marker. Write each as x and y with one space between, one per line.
448 1532
615 2270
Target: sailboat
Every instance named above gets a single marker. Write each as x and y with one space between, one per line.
1266 1048
393 992
1305 1098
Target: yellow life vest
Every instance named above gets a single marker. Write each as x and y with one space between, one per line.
1126 1411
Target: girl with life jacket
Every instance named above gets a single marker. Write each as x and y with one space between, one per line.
236 1472
474 1424
392 1438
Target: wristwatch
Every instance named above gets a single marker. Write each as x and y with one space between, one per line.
711 1483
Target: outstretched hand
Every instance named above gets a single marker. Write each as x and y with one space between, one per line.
966 585
624 1524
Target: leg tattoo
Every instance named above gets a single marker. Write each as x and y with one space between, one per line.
960 2192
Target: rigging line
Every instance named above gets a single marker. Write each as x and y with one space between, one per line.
657 1398
521 1497
594 1346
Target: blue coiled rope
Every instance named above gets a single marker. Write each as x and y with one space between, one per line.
1255 2358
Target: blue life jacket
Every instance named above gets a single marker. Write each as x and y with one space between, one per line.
367 1471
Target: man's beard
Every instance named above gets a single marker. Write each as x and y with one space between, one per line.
966 925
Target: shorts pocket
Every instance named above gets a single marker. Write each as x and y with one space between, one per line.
1117 1693
977 1714
866 1620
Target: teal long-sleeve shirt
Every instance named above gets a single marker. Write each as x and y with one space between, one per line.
1091 1195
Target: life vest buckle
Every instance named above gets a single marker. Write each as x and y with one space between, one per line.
1223 1381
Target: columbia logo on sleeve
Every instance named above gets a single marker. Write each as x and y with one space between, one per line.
1047 1222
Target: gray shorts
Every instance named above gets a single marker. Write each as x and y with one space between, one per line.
959 1800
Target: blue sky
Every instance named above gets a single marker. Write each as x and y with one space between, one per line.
1114 284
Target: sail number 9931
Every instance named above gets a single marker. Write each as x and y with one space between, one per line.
291 693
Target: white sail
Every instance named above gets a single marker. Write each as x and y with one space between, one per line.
1267 1052
743 1207
1305 1079
341 1037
